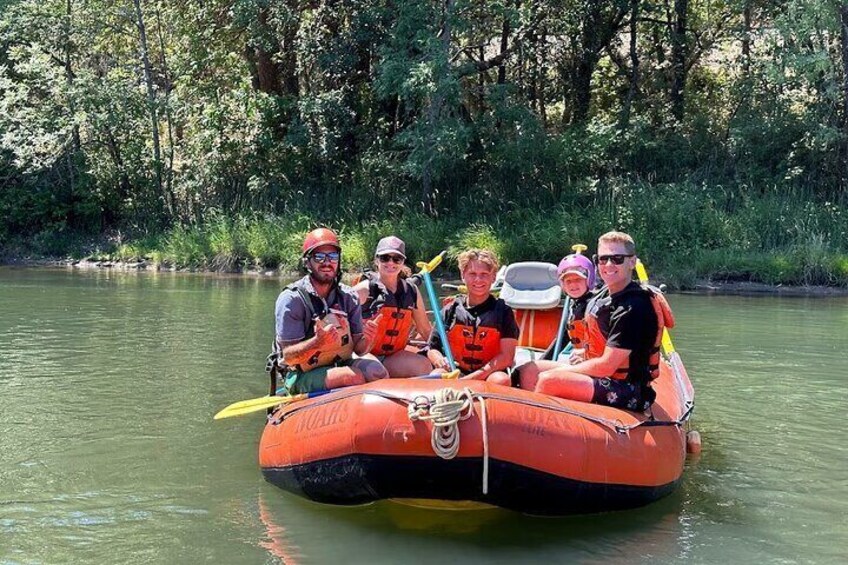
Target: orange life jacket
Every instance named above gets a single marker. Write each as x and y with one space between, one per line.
317 307
395 326
578 332
597 341
472 343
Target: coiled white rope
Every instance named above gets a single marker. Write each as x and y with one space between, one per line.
449 407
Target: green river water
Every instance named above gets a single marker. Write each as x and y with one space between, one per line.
108 451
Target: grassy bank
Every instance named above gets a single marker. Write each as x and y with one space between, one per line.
684 232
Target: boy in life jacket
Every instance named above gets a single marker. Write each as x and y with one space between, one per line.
481 329
319 325
624 326
395 304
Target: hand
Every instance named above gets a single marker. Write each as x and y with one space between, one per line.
475 376
577 356
369 329
442 364
326 334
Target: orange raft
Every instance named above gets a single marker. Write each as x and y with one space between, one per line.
516 449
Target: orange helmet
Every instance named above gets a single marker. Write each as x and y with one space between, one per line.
319 237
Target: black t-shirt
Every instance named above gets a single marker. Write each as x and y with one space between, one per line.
491 313
628 321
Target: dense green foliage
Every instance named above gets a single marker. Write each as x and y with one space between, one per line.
214 133
794 250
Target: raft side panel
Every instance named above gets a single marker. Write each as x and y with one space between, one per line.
361 478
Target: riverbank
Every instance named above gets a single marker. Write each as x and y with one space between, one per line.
704 286
683 246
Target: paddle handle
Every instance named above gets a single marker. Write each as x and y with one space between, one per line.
426 269
562 321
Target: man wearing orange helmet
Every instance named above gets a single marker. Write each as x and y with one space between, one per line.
319 324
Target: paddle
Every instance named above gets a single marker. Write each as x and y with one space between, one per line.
671 354
256 404
642 274
243 407
578 248
426 269
562 321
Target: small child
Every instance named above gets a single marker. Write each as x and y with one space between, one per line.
576 275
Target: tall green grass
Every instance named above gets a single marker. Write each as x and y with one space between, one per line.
684 231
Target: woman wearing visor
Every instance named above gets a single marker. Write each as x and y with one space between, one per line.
389 298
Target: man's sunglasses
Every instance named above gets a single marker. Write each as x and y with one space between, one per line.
387 258
617 259
322 256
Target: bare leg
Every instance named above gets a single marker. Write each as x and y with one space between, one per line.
566 384
499 378
528 373
370 368
407 364
338 377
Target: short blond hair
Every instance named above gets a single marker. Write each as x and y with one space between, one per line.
619 237
483 255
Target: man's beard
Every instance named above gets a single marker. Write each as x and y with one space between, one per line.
323 277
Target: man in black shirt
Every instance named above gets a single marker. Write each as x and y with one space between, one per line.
623 328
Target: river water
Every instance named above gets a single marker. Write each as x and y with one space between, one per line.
108 451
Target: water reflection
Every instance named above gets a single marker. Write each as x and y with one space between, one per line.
298 531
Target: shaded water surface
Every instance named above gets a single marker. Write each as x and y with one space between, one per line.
108 453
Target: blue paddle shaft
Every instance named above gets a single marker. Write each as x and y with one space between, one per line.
437 314
565 308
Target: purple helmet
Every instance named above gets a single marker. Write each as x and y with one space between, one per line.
579 265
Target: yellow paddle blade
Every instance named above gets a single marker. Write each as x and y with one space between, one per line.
451 375
668 347
256 404
642 273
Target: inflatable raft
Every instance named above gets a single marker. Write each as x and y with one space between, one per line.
455 440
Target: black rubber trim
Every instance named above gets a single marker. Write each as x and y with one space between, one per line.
357 479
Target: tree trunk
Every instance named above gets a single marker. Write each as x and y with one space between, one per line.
76 143
434 109
843 19
587 59
600 26
169 176
679 52
634 67
481 83
746 38
583 87
151 101
69 77
124 186
504 45
543 64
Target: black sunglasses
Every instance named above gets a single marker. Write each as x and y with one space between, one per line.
387 258
322 256
617 259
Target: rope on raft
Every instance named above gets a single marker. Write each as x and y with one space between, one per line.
446 410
